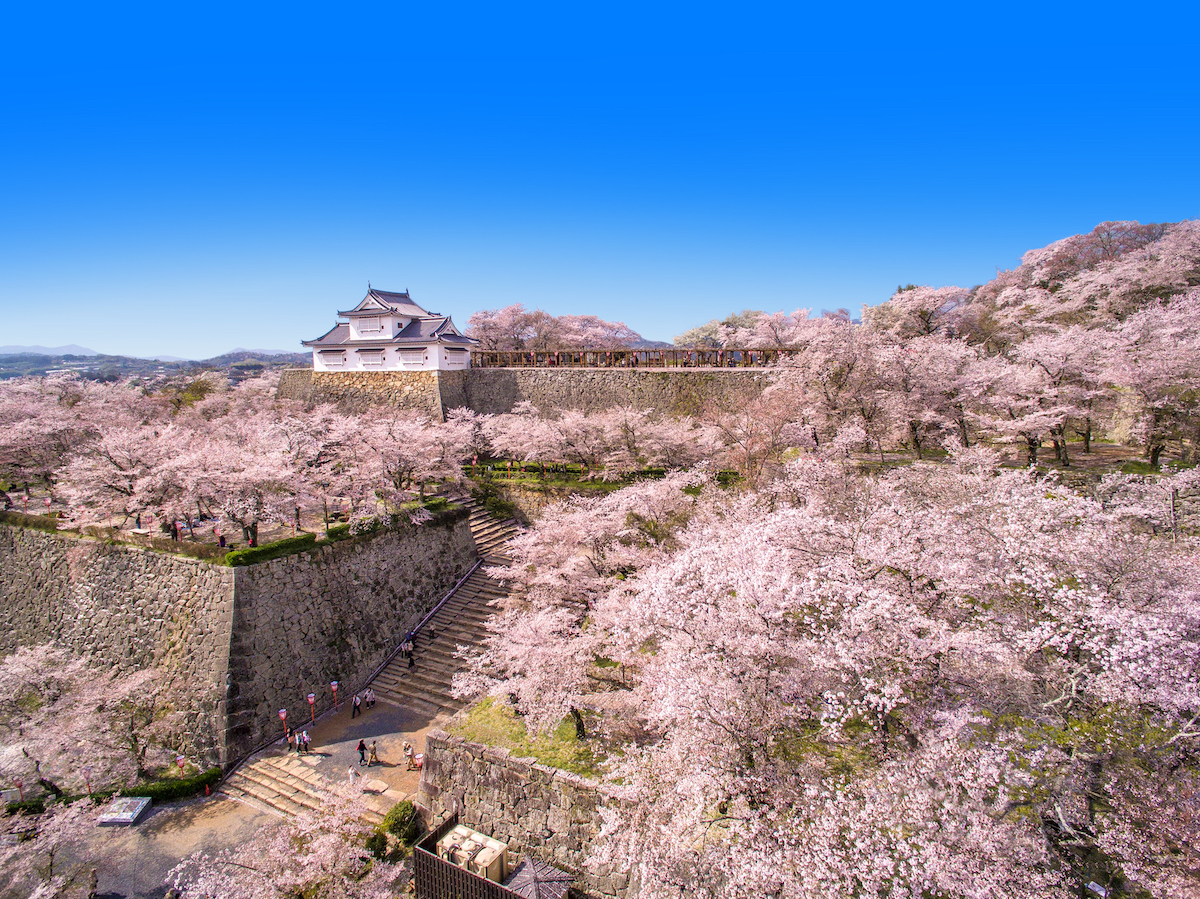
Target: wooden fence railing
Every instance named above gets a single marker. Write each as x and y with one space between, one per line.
626 358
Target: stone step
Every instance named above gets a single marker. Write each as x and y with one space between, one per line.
288 787
462 621
417 686
437 693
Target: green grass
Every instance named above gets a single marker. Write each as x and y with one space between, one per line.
1135 467
496 725
36 522
286 547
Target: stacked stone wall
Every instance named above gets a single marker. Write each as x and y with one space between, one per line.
359 390
131 608
497 390
243 642
334 613
671 391
532 807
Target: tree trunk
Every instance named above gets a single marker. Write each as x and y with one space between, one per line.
1059 438
1087 435
914 434
1154 451
1031 449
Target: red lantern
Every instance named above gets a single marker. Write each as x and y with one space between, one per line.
312 707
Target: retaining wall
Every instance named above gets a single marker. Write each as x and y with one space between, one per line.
132 608
496 390
244 642
528 805
331 614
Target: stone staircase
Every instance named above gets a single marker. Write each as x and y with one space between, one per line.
461 622
285 784
490 535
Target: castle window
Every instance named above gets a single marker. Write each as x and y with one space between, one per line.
371 357
368 325
412 357
332 357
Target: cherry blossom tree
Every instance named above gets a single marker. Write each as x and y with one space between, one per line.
316 855
1156 362
917 311
914 683
514 328
57 709
47 857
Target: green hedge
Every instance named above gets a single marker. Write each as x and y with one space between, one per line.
402 822
166 790
285 547
338 532
175 787
36 522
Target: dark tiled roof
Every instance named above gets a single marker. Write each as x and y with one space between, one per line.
534 879
385 300
339 333
420 331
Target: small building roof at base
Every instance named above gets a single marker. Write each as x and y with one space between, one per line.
534 879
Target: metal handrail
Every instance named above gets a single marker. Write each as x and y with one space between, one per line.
428 615
374 674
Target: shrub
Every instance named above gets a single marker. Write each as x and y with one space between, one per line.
402 822
174 787
37 522
338 532
488 496
401 828
27 807
285 547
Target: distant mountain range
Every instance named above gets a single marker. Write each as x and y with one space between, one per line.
18 361
76 350
68 350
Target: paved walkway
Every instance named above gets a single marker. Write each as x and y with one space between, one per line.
276 783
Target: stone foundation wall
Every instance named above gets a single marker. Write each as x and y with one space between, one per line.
671 391
531 501
530 806
358 390
332 614
244 641
132 608
496 390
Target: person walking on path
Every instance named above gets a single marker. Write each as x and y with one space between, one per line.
362 752
372 755
307 741
370 698
356 706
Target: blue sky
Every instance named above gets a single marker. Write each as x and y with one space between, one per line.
191 179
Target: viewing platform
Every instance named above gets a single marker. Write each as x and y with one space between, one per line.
627 358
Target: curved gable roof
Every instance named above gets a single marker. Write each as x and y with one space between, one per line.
377 301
